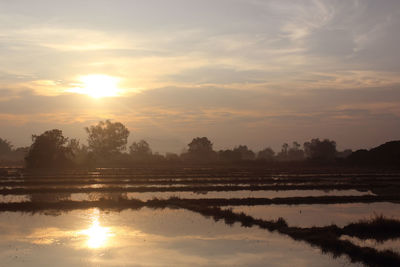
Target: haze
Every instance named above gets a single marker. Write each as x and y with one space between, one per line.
251 72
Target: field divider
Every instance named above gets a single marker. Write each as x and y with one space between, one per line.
123 203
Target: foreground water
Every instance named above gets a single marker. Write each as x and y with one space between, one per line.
146 237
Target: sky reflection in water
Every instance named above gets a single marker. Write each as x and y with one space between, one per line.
145 237
97 235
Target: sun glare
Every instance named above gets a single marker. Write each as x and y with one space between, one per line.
97 86
96 234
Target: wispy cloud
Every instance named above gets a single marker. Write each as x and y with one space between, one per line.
257 68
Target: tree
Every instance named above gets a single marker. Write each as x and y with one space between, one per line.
320 150
5 147
200 145
241 152
266 154
295 153
49 150
228 155
291 153
140 150
80 155
107 138
200 149
244 153
386 154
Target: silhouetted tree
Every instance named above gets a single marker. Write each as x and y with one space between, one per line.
295 153
107 138
239 153
5 147
344 154
266 154
228 155
283 154
49 150
291 153
200 145
140 150
80 153
385 154
244 153
21 152
171 157
200 149
320 150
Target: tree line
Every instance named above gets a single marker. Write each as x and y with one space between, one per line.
107 147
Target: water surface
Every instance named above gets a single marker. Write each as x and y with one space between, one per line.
145 237
306 215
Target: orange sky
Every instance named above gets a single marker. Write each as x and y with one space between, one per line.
240 72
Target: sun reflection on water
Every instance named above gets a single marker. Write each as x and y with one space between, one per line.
98 236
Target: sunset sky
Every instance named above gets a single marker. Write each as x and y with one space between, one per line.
250 72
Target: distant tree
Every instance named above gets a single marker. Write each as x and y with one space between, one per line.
201 149
21 152
140 150
5 147
79 152
239 153
285 148
107 138
49 150
344 154
228 155
385 154
320 150
295 153
283 154
200 145
171 157
266 154
244 153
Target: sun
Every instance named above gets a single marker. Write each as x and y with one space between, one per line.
97 86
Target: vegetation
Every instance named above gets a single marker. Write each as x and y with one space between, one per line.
49 150
107 142
107 138
386 154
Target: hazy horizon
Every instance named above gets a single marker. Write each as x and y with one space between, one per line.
257 73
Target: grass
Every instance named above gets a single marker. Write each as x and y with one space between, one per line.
378 228
325 238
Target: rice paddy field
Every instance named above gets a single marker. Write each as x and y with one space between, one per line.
217 216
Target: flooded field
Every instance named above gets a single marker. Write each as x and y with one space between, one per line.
146 237
322 215
220 218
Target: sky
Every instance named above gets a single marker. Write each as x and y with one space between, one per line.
251 72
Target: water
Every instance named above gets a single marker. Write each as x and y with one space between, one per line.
321 215
191 195
391 244
145 237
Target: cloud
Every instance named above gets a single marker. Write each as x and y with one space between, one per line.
230 69
228 116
